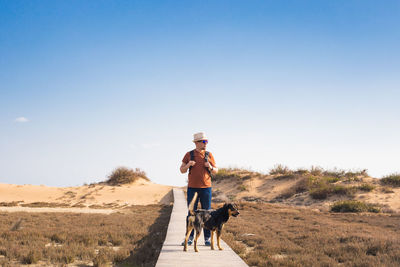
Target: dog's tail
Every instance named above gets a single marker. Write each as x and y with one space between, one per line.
191 204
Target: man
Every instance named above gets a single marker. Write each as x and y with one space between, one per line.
200 171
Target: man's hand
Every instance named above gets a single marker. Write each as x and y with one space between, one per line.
213 169
191 163
185 167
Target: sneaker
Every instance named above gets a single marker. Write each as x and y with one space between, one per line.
190 241
207 242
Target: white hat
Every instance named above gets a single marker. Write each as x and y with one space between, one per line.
199 136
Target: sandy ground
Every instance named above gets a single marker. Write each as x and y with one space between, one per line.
101 198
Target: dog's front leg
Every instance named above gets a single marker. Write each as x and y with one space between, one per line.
212 240
219 232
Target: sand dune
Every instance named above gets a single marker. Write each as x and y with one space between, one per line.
88 198
268 187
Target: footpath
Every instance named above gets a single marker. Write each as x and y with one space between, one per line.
172 254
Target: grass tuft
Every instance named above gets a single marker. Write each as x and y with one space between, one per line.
234 174
280 169
226 173
58 237
123 175
354 206
392 180
316 171
366 187
302 185
33 257
320 192
103 258
17 225
301 171
322 188
387 190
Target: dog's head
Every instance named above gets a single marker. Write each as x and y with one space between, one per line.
232 209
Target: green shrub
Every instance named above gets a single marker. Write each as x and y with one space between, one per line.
302 185
123 175
340 190
242 188
344 190
320 188
331 179
224 173
350 174
316 171
301 171
280 169
286 176
392 179
321 192
353 206
366 187
334 173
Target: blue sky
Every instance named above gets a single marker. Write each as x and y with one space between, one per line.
103 84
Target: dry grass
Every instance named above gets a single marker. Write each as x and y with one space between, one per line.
280 169
366 187
302 185
271 235
133 238
10 204
111 205
391 180
234 174
387 190
45 205
123 175
321 183
321 187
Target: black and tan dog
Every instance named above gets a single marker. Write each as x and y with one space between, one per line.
212 220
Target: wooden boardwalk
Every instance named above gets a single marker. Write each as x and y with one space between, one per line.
172 254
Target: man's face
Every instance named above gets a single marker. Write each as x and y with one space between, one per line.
202 144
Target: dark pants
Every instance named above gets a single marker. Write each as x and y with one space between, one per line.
204 195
